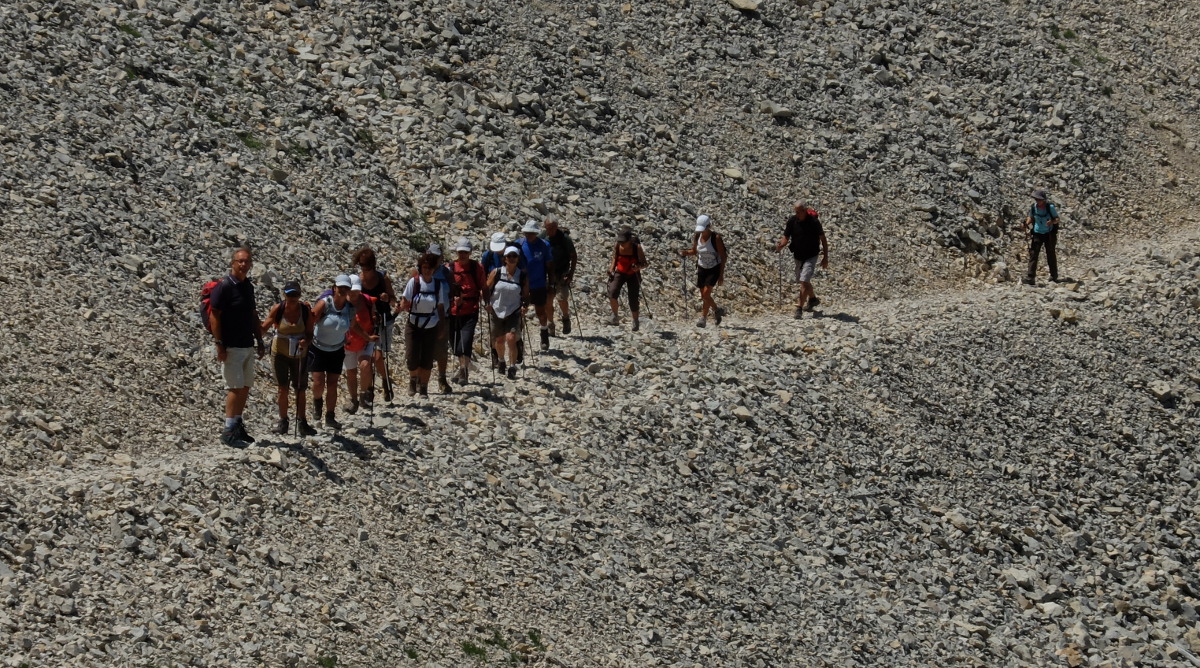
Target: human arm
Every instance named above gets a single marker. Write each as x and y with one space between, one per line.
406 297
691 251
214 323
574 261
642 262
720 246
824 252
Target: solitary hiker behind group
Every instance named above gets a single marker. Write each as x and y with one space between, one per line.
233 320
1043 216
709 249
805 237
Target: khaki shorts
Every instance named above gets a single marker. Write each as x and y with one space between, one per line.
238 368
805 269
561 290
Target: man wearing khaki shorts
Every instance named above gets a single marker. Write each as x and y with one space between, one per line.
233 319
804 235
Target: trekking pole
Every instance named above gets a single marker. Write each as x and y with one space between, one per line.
575 309
491 347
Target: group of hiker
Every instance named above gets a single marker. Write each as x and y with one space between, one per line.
350 328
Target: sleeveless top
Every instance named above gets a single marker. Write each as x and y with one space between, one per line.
506 295
288 335
627 264
329 334
706 251
354 342
384 309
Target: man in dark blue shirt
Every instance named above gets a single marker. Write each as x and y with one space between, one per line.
233 319
540 274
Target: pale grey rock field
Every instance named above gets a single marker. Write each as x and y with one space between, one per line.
939 466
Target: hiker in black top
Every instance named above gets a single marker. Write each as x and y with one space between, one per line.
1043 217
233 319
562 260
378 285
805 237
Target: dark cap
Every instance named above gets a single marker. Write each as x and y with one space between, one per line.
1039 194
290 287
625 234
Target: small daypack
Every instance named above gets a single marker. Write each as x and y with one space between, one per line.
205 310
717 242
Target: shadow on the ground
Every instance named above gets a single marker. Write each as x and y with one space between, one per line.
599 340
388 443
352 446
563 355
313 460
741 328
840 317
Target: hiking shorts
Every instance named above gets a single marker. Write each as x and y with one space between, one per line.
418 346
502 326
238 368
707 277
353 357
805 269
326 361
290 372
635 288
537 296
561 290
462 332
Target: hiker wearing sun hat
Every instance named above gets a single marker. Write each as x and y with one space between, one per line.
359 351
441 349
466 290
508 295
1043 216
493 257
709 249
539 274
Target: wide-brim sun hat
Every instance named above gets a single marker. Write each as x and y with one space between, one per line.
531 227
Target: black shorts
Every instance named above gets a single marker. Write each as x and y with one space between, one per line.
537 296
324 361
418 346
462 333
502 326
291 372
707 277
634 281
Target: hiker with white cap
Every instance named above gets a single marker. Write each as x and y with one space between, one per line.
493 258
466 292
1043 216
805 237
293 324
334 318
378 285
509 295
359 351
709 249
539 274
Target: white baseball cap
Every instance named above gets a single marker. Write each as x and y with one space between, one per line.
463 244
355 283
531 227
342 281
498 242
702 223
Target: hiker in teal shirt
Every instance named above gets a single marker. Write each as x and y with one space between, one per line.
1044 218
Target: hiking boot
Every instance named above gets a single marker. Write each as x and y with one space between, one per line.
412 385
306 429
701 322
799 313
367 398
503 367
332 423
242 433
550 328
813 302
1028 281
637 324
545 339
352 407
461 376
443 385
230 437
719 315
512 372
424 389
613 320
566 325
495 360
366 404
282 427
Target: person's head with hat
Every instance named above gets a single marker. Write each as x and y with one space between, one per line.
435 249
625 235
341 289
498 242
463 248
531 229
291 290
703 222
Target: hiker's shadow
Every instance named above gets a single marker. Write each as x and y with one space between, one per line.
314 461
485 393
741 328
600 340
840 317
352 446
557 373
383 440
558 393
666 334
563 355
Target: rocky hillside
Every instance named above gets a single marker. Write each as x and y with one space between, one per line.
944 468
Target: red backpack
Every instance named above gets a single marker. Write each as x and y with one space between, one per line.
206 302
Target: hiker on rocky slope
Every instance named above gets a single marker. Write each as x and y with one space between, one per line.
539 275
709 249
292 320
334 318
506 307
377 285
233 321
1043 216
359 351
805 237
563 261
628 260
465 295
441 344
425 299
